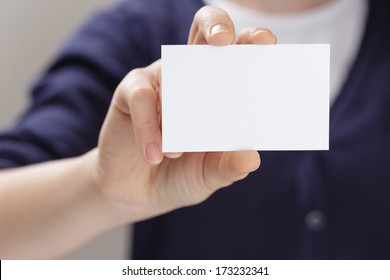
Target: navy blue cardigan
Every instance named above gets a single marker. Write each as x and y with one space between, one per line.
298 205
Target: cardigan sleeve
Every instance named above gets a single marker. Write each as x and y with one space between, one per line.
70 100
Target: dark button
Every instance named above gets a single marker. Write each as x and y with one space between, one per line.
315 220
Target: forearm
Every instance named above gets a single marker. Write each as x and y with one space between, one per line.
49 209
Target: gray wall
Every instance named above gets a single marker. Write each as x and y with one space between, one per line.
30 34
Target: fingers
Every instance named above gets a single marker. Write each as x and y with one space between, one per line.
143 107
256 35
222 169
138 97
138 92
213 26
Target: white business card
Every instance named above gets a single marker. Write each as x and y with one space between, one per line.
245 97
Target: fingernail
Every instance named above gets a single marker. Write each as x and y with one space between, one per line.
173 155
218 28
275 39
264 36
153 154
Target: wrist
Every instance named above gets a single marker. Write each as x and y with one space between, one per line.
111 210
108 211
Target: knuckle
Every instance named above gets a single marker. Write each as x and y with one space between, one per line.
148 125
125 85
209 14
200 14
139 93
134 74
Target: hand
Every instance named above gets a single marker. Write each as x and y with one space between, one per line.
131 172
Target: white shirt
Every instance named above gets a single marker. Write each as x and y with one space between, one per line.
339 23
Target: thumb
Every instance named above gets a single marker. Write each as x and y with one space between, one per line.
223 169
212 26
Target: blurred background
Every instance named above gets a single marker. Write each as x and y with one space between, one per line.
31 32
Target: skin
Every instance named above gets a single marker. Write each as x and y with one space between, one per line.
49 209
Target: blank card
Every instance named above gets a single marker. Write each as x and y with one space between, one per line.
245 97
